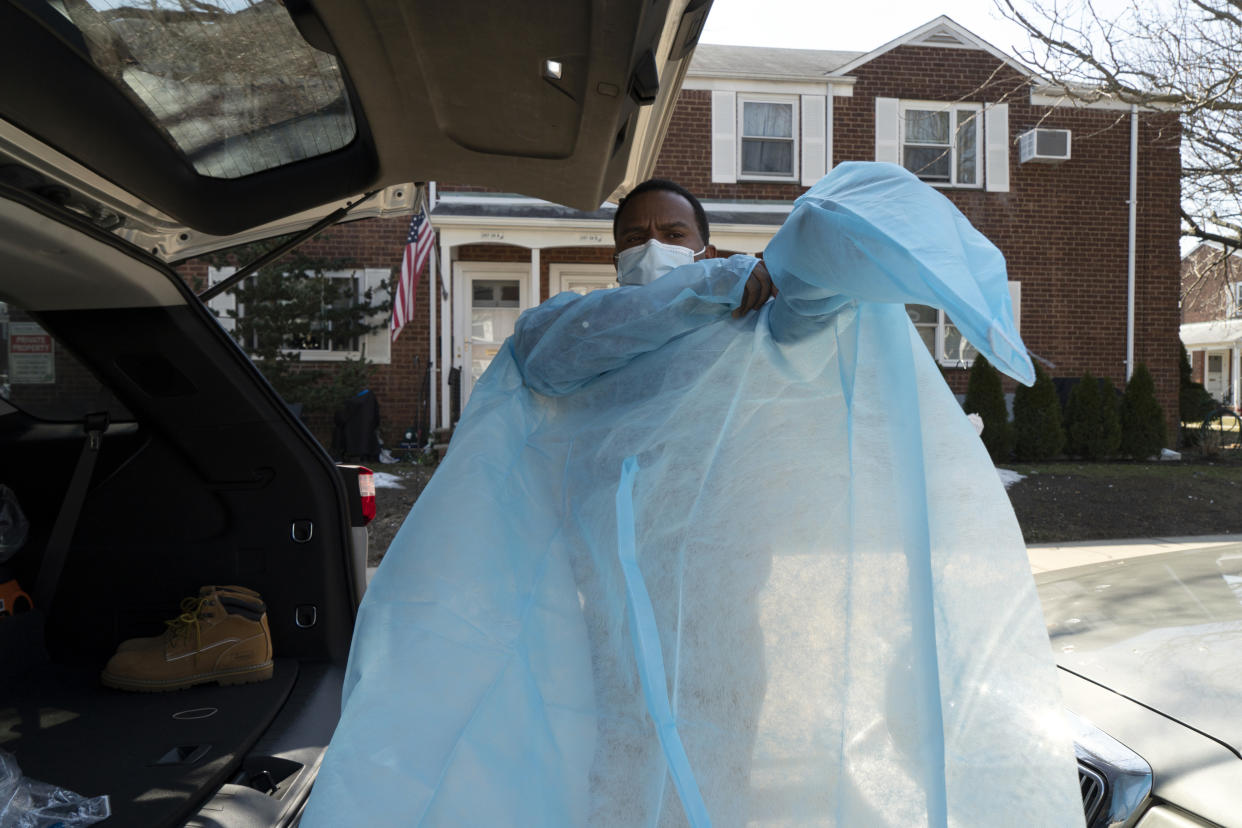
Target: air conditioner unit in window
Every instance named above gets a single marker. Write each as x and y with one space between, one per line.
1045 146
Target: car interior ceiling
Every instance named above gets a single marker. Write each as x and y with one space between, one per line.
200 486
425 105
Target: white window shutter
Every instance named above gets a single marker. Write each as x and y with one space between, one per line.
996 148
814 138
1015 299
377 346
225 302
724 137
887 131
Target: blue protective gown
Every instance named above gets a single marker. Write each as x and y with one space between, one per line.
680 568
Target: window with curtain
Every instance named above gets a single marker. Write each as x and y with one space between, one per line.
940 142
768 138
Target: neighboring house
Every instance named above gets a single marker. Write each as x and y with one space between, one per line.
1212 319
754 127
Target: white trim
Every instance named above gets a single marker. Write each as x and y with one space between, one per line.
996 148
888 130
1217 333
433 294
1054 96
747 83
724 137
377 346
533 290
1234 371
525 232
795 136
953 108
913 37
744 207
815 131
507 200
448 360
828 138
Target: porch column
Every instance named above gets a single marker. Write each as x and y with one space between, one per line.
446 345
533 290
433 295
1233 375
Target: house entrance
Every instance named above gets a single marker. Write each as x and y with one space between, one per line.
493 296
1214 378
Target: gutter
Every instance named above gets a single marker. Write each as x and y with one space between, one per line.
1131 241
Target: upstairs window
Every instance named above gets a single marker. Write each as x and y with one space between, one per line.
940 142
1237 298
768 144
770 136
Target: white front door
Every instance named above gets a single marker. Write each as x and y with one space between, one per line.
492 298
1214 374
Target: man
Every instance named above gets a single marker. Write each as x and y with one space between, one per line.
666 213
687 564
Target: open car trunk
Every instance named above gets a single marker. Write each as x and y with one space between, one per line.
202 477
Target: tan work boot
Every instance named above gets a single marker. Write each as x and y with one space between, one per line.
222 636
188 605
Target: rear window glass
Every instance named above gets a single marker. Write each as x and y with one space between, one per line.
231 84
41 378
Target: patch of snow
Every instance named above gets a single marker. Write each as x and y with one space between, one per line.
1170 454
977 422
384 480
1008 477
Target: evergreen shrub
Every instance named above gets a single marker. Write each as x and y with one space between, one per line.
1038 433
985 397
1194 403
1092 427
1142 418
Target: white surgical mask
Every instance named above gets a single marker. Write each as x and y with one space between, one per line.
648 262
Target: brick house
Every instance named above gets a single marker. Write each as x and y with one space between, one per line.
754 127
1211 284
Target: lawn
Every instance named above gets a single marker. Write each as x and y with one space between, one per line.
1069 501
1061 501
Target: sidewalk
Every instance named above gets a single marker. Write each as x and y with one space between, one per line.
1048 556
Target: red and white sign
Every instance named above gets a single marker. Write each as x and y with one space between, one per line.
32 356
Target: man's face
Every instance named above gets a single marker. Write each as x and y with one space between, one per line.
660 215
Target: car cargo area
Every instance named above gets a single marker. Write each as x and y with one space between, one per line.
200 476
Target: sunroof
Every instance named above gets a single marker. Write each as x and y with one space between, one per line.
232 84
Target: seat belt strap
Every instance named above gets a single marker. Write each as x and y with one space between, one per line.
67 519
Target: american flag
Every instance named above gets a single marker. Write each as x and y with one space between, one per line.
418 244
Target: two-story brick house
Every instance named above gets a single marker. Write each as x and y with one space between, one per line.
1211 285
754 127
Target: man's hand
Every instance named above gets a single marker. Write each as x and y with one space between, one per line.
759 289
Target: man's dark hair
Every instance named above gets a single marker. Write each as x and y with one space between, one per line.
700 217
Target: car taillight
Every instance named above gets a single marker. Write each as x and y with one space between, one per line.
366 490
